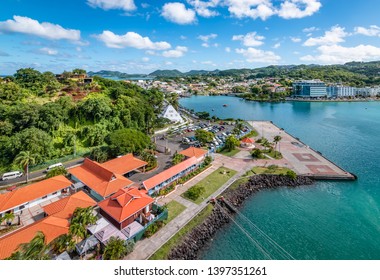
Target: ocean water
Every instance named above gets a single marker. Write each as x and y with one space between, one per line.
326 221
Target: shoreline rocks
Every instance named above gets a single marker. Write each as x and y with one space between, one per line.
197 239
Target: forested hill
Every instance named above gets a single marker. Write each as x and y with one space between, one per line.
354 73
51 118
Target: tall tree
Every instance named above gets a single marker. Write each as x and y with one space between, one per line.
24 159
8 218
82 217
115 249
177 158
276 140
36 249
231 143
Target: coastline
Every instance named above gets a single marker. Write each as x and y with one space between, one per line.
196 240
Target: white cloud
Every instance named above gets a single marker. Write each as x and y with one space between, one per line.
176 53
251 8
299 8
335 35
295 39
250 39
372 31
205 45
203 7
48 51
332 54
228 49
276 46
177 12
168 63
145 59
310 29
126 5
253 55
150 52
206 38
183 37
132 40
45 30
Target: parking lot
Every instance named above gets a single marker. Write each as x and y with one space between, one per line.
182 138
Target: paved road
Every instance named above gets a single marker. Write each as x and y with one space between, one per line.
38 174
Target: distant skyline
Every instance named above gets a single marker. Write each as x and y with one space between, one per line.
134 36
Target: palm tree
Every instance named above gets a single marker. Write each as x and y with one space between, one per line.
36 249
82 217
8 217
25 158
276 139
115 249
63 243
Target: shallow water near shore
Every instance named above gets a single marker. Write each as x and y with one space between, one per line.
329 220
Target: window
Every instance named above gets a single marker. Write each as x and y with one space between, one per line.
54 193
21 207
44 197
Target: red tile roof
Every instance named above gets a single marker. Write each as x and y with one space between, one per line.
65 207
52 227
125 164
193 152
98 178
34 191
125 203
168 173
248 141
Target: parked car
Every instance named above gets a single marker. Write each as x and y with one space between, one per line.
53 166
11 175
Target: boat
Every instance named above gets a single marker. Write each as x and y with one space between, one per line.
225 105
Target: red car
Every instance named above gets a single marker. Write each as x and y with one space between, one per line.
11 188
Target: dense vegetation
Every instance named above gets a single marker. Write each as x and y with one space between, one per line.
353 73
53 118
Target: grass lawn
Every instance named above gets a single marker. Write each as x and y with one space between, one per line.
231 153
266 170
253 133
174 208
275 155
163 252
238 182
213 182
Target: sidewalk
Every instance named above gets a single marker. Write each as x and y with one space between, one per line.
147 247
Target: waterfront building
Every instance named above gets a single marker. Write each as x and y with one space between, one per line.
169 176
100 181
126 207
29 196
341 91
198 153
309 89
368 91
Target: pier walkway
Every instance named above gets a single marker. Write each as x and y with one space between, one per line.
299 156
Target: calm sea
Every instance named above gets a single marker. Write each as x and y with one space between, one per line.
329 220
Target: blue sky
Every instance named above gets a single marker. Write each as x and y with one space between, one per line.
141 36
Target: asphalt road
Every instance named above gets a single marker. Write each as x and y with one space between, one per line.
38 174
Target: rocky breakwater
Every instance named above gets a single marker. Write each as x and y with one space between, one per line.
196 240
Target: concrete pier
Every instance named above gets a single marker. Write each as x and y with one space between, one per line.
299 156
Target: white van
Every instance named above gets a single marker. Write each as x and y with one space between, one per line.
54 166
11 175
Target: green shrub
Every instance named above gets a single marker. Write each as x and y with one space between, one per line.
291 174
194 192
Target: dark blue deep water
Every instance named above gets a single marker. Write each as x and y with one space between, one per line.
329 220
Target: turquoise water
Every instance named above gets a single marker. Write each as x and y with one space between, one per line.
329 220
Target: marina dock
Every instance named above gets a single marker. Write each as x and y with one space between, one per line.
300 157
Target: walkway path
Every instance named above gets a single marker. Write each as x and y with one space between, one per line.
147 247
